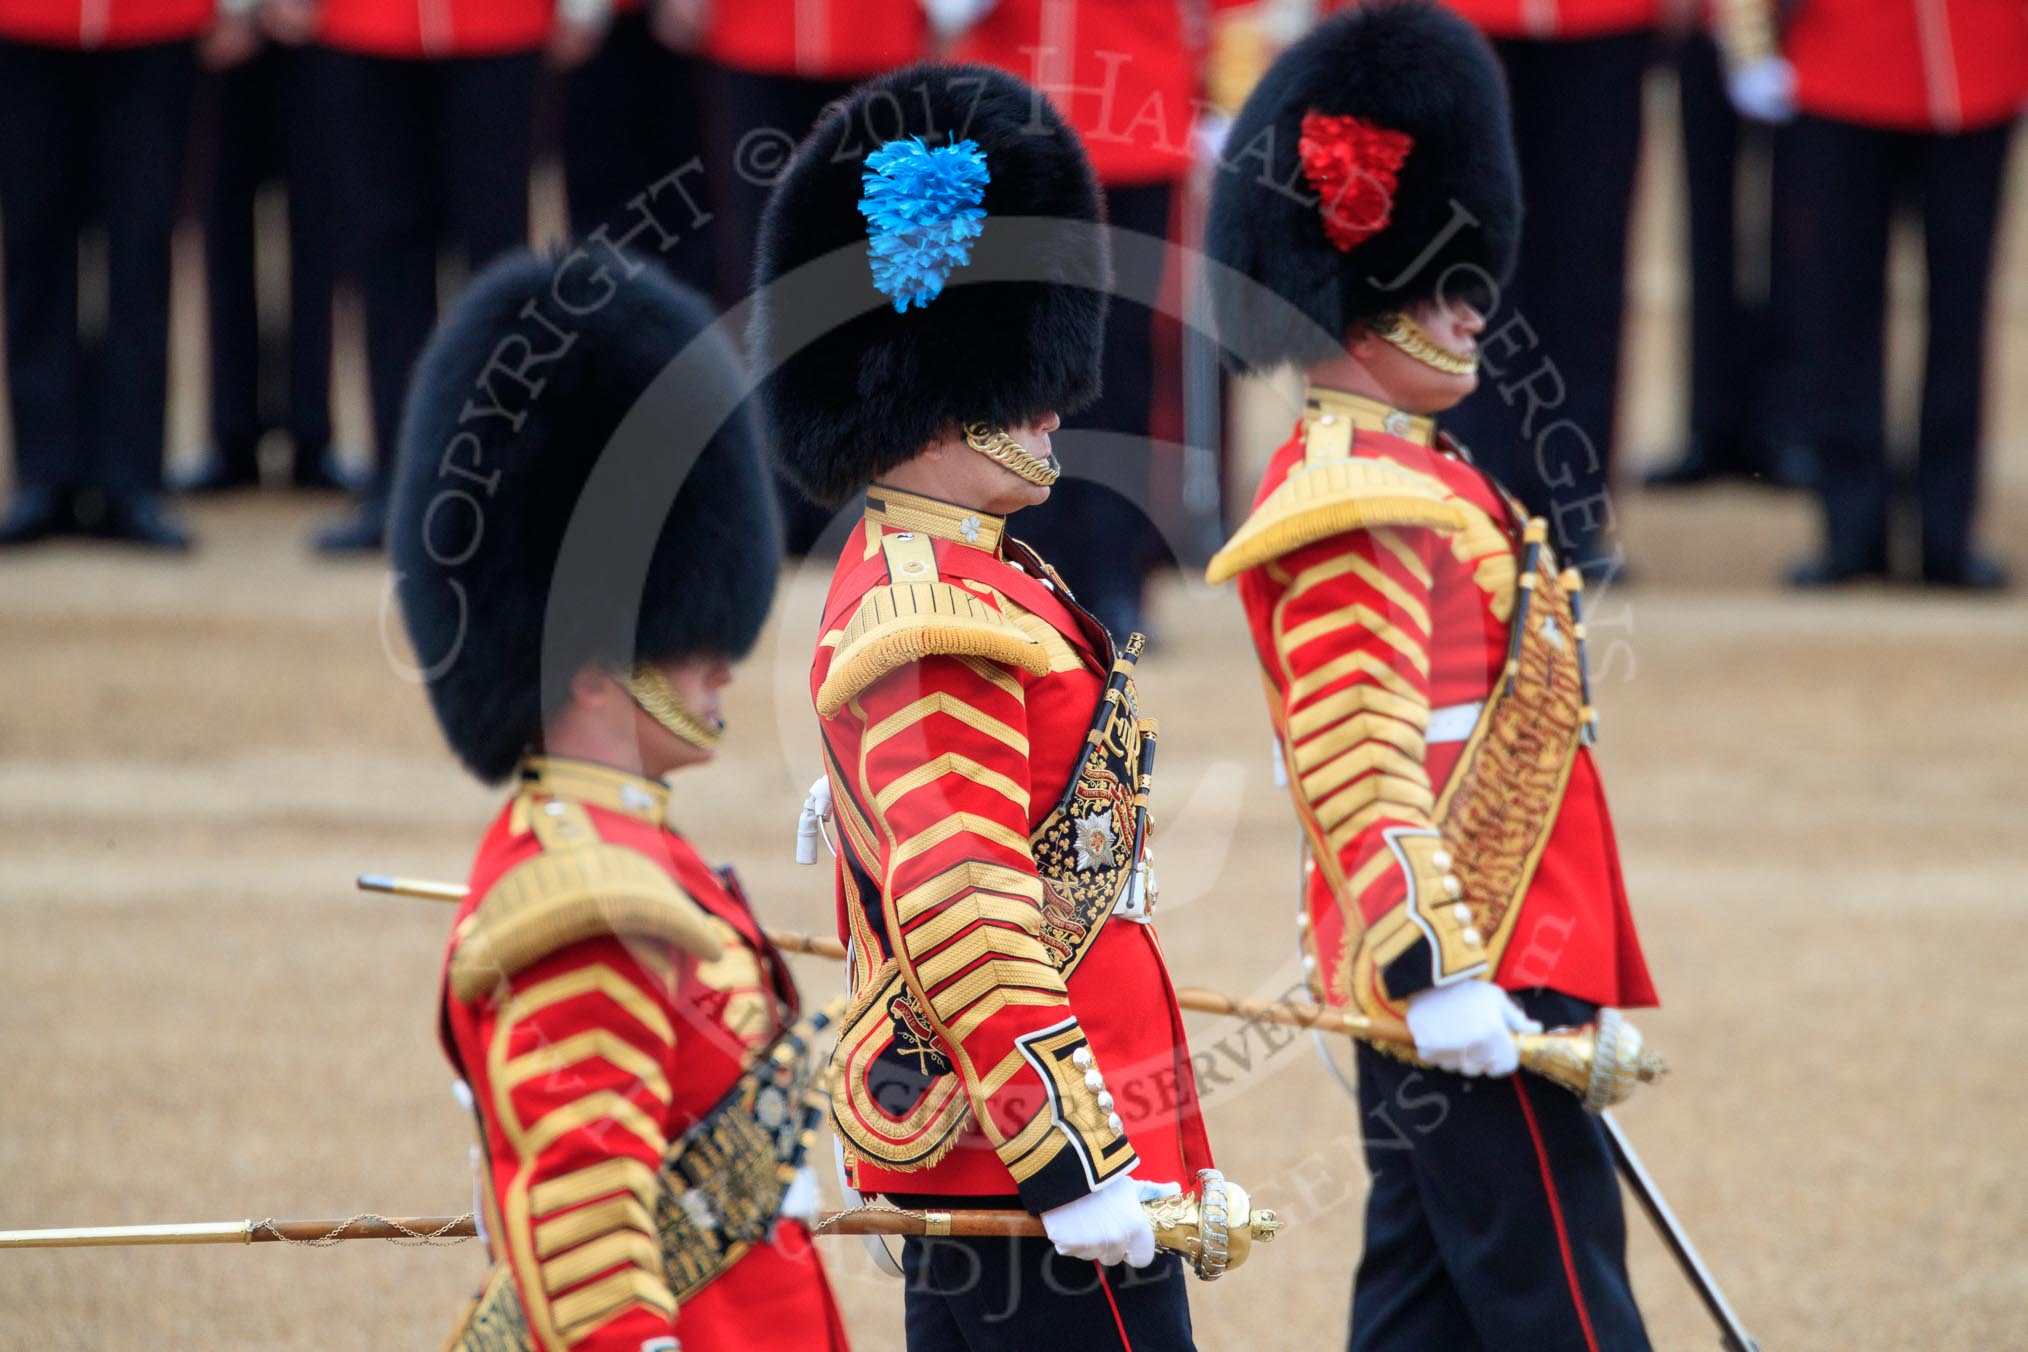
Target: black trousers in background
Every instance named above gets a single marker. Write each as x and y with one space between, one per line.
1548 433
87 137
271 120
1735 343
1020 1295
433 153
1845 182
755 120
633 115
1101 539
1495 1219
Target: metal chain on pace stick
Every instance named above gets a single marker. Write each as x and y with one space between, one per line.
441 1237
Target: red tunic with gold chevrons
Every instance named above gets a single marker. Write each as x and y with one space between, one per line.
588 1057
956 682
1381 575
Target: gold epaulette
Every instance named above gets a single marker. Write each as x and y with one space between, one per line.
1322 498
911 619
561 896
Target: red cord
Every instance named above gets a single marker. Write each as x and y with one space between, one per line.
1118 1322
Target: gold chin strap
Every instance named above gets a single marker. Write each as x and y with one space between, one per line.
1002 449
659 700
1404 333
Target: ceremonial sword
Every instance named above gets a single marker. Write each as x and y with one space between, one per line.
1734 1333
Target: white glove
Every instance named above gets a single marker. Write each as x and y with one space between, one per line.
809 826
801 1201
1763 89
1108 1226
952 17
1468 1027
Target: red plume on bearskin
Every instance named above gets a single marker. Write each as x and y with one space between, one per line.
1374 168
1353 163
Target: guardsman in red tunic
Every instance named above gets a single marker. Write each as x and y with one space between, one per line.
776 65
1890 99
433 113
779 63
632 123
1424 665
94 123
1547 418
1742 409
576 586
1013 1037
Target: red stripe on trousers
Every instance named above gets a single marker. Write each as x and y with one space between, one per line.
1118 1322
1556 1216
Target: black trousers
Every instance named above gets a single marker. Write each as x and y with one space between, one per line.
269 124
1495 1219
1542 418
755 119
1734 343
1020 1295
1097 527
633 115
433 153
1845 183
88 137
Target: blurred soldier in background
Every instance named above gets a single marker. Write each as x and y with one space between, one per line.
1543 422
269 119
1894 97
1424 659
1743 406
433 107
629 1035
633 123
777 64
1128 74
94 118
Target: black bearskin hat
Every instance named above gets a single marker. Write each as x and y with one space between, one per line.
1372 167
536 417
869 356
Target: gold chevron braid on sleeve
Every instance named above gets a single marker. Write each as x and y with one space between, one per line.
1328 498
563 896
902 624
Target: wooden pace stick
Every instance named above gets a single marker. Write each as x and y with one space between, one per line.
1602 1062
1214 1226
789 941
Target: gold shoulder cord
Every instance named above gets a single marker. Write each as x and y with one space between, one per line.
997 445
659 700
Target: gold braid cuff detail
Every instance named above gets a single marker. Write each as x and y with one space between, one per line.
659 700
1407 335
997 445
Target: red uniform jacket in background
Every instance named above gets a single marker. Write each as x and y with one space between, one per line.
1127 74
417 28
956 688
1915 65
586 1064
1362 634
816 39
1552 18
102 23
